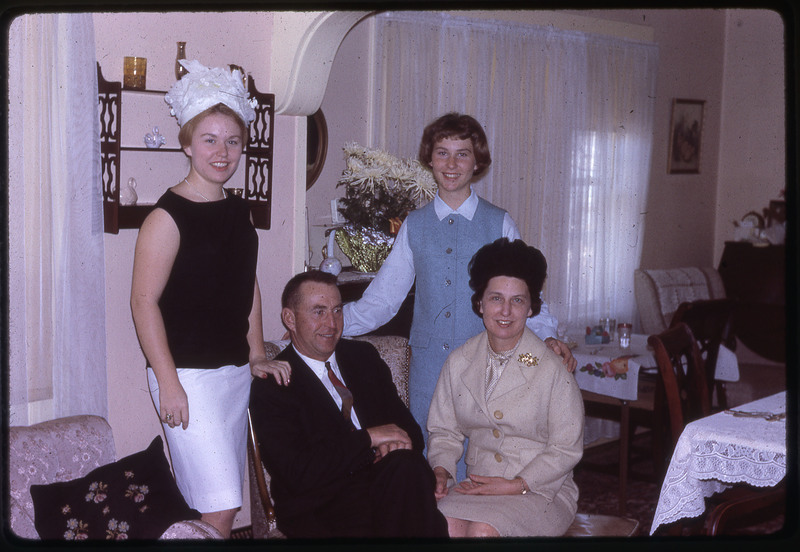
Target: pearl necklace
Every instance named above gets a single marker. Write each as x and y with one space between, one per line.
198 192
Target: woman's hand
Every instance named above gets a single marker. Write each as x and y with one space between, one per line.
441 482
560 348
173 405
485 485
280 370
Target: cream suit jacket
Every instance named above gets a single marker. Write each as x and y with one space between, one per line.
532 425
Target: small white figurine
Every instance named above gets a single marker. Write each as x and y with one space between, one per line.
155 140
127 194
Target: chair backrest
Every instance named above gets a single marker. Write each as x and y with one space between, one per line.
710 322
659 292
683 390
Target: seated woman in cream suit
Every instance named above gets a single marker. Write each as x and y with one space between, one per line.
507 392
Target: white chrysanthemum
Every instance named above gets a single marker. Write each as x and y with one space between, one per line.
352 149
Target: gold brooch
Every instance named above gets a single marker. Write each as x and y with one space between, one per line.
528 359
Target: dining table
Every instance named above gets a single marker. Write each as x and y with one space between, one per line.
616 377
746 444
609 376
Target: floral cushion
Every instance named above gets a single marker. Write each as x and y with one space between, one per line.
133 498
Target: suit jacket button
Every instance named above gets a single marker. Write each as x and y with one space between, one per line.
448 250
445 346
498 414
498 457
496 433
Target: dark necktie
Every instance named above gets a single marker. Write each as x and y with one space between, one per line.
344 392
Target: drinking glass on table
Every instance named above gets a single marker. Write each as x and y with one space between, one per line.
609 326
624 335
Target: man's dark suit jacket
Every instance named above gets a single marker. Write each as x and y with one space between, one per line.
306 444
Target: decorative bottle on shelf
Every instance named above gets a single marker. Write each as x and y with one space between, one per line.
180 70
127 194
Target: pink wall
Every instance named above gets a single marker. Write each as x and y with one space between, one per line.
345 108
752 167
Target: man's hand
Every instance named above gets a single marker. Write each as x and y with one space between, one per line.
563 351
386 438
441 482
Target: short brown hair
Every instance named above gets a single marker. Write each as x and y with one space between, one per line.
291 292
185 134
456 126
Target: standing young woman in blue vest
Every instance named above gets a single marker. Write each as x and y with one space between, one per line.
434 245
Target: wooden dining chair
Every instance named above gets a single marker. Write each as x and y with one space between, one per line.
262 508
681 394
710 322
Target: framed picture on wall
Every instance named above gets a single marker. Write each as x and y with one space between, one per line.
685 136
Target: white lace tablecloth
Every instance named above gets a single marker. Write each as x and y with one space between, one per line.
714 452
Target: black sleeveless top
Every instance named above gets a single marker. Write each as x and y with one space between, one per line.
209 294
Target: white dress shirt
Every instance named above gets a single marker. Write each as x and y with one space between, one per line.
319 369
383 297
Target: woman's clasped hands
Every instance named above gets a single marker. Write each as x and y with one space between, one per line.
478 485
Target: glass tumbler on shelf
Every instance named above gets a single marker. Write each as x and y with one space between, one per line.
134 73
624 332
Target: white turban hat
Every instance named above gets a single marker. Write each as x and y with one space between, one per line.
203 87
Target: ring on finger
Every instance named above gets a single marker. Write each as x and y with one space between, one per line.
168 417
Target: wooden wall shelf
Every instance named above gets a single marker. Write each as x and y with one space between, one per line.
258 154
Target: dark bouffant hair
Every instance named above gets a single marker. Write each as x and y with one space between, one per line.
457 127
506 258
289 297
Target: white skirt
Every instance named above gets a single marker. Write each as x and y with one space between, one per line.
209 456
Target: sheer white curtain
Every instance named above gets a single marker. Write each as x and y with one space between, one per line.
569 121
57 354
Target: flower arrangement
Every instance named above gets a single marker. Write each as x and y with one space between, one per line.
380 191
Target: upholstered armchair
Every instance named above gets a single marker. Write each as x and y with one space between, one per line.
68 449
659 292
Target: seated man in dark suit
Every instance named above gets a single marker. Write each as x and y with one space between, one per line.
343 451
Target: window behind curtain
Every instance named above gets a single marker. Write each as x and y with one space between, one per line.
569 120
57 338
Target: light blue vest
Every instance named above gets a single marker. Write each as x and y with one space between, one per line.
443 318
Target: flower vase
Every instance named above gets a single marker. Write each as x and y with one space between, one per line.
364 251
